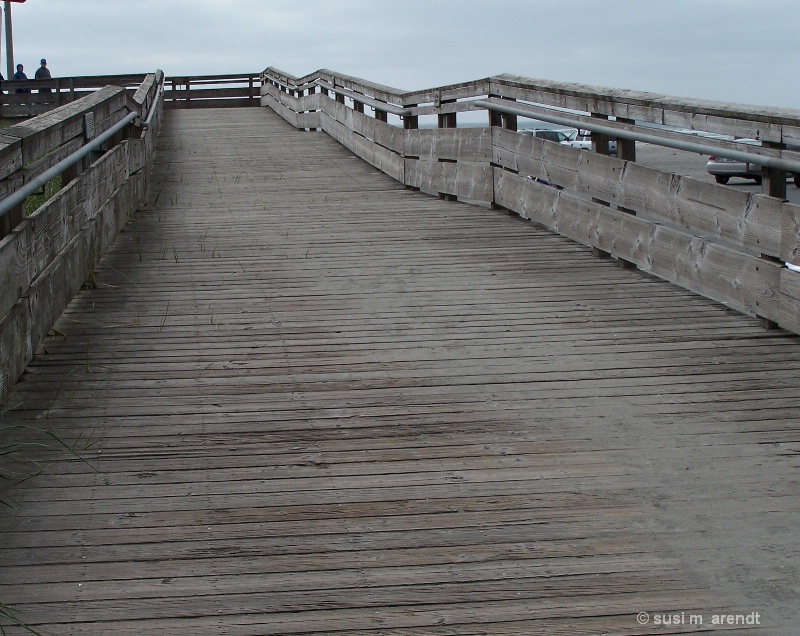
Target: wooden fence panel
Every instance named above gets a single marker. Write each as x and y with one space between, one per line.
15 344
790 233
17 269
390 137
10 155
464 179
287 113
449 144
49 255
382 158
716 241
789 299
751 221
745 282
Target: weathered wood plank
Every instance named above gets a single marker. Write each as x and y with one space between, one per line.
740 280
460 144
737 120
750 221
382 158
17 269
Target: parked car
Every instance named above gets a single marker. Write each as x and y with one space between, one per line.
547 133
583 139
723 169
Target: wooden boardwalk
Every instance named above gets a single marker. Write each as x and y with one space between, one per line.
321 403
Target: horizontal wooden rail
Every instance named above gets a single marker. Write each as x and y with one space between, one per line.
41 96
728 245
196 91
213 91
46 257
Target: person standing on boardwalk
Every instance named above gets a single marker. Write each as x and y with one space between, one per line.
20 75
43 73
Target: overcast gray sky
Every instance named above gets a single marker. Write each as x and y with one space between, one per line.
742 51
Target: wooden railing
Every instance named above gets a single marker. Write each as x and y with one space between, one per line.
197 91
47 257
214 91
42 96
728 245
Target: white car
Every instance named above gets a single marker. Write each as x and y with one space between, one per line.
583 139
723 169
547 133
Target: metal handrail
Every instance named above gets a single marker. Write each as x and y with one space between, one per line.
154 106
778 163
18 196
363 99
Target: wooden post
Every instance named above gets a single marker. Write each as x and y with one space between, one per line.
381 115
340 97
10 220
626 148
600 142
600 146
448 120
358 107
71 173
510 121
411 122
502 120
773 181
495 119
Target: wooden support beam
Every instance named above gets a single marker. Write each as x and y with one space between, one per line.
773 181
626 148
411 122
10 220
600 143
448 120
502 120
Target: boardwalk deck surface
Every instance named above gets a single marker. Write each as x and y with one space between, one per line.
321 403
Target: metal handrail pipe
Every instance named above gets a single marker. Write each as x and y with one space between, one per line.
374 103
154 106
18 196
778 163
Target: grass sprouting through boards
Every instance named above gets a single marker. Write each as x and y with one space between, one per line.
18 444
8 616
16 461
164 319
35 201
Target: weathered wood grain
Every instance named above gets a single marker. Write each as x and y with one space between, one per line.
740 280
461 144
750 221
324 403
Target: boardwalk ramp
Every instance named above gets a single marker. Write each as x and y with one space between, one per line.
308 400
